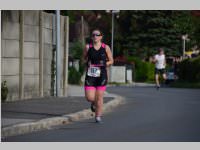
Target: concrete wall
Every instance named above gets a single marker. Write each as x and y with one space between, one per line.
10 49
118 74
31 54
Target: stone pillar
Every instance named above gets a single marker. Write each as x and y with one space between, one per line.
21 56
41 88
66 50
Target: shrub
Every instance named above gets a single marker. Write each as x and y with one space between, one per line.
144 71
189 70
196 63
77 50
74 77
4 91
150 71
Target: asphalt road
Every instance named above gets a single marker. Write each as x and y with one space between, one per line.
169 114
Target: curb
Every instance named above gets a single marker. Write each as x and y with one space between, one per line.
48 123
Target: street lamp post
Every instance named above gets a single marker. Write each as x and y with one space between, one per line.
112 35
184 38
113 23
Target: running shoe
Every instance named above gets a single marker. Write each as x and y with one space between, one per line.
98 119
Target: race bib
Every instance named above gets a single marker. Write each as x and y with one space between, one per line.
94 72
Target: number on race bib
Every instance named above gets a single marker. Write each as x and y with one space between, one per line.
94 71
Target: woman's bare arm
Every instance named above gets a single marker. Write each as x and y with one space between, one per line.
84 57
109 56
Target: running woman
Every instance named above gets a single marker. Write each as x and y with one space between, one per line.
160 63
98 57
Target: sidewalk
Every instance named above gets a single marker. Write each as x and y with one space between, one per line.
31 115
36 109
134 84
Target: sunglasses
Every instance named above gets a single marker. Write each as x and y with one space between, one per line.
96 35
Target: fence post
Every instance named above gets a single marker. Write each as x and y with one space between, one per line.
21 48
41 88
66 50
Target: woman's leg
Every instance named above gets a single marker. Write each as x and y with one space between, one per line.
99 100
90 94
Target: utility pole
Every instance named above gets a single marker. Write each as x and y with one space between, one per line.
58 60
184 38
112 38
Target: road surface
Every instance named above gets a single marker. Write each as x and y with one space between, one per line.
169 114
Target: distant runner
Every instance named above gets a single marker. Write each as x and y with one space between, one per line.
160 64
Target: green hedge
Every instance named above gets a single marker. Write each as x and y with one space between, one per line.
144 71
74 76
189 70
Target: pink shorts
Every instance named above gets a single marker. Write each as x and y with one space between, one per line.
100 88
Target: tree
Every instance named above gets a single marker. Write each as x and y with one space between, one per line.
142 32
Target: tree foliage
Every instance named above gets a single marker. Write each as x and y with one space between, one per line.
140 32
